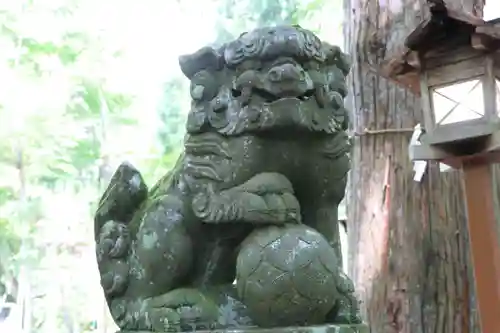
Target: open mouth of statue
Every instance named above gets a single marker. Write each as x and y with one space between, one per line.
268 97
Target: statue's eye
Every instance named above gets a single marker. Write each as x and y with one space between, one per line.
248 78
204 86
250 65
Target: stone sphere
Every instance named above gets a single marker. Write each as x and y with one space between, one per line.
286 275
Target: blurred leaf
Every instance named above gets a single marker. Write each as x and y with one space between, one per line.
6 194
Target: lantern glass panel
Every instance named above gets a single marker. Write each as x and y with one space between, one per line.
458 102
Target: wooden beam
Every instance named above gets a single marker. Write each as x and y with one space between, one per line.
484 242
485 157
414 39
413 59
423 152
456 134
465 17
491 30
400 70
480 42
484 42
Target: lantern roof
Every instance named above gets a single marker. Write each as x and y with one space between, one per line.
445 30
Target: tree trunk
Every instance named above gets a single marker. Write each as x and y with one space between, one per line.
408 244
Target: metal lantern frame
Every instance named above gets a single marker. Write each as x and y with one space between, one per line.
449 51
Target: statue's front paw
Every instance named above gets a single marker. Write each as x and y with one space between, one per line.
182 309
113 241
265 198
346 310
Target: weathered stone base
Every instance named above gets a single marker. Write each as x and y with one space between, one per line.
305 329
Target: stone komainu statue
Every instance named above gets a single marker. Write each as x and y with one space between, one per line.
265 145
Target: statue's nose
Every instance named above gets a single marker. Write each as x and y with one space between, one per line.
286 72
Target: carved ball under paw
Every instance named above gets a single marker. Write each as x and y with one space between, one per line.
287 275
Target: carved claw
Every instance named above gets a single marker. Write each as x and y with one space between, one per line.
112 247
321 95
265 198
344 284
181 308
120 248
246 94
114 282
346 310
336 99
113 241
266 183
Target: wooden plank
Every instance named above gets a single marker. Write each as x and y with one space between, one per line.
447 54
408 81
491 154
414 39
440 11
463 16
413 59
489 90
423 152
402 73
493 143
461 71
429 119
457 162
492 30
485 249
459 132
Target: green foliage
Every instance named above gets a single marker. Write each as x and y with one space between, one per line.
172 110
10 241
6 195
90 98
58 109
256 13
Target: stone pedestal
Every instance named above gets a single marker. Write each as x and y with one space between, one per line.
305 329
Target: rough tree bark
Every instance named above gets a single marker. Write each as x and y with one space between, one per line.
408 246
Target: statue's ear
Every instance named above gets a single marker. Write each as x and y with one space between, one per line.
335 56
345 63
204 58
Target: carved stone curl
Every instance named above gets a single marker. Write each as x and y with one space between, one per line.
265 148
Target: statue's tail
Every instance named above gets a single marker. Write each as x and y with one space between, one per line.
124 195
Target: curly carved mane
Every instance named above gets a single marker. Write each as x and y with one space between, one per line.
234 92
